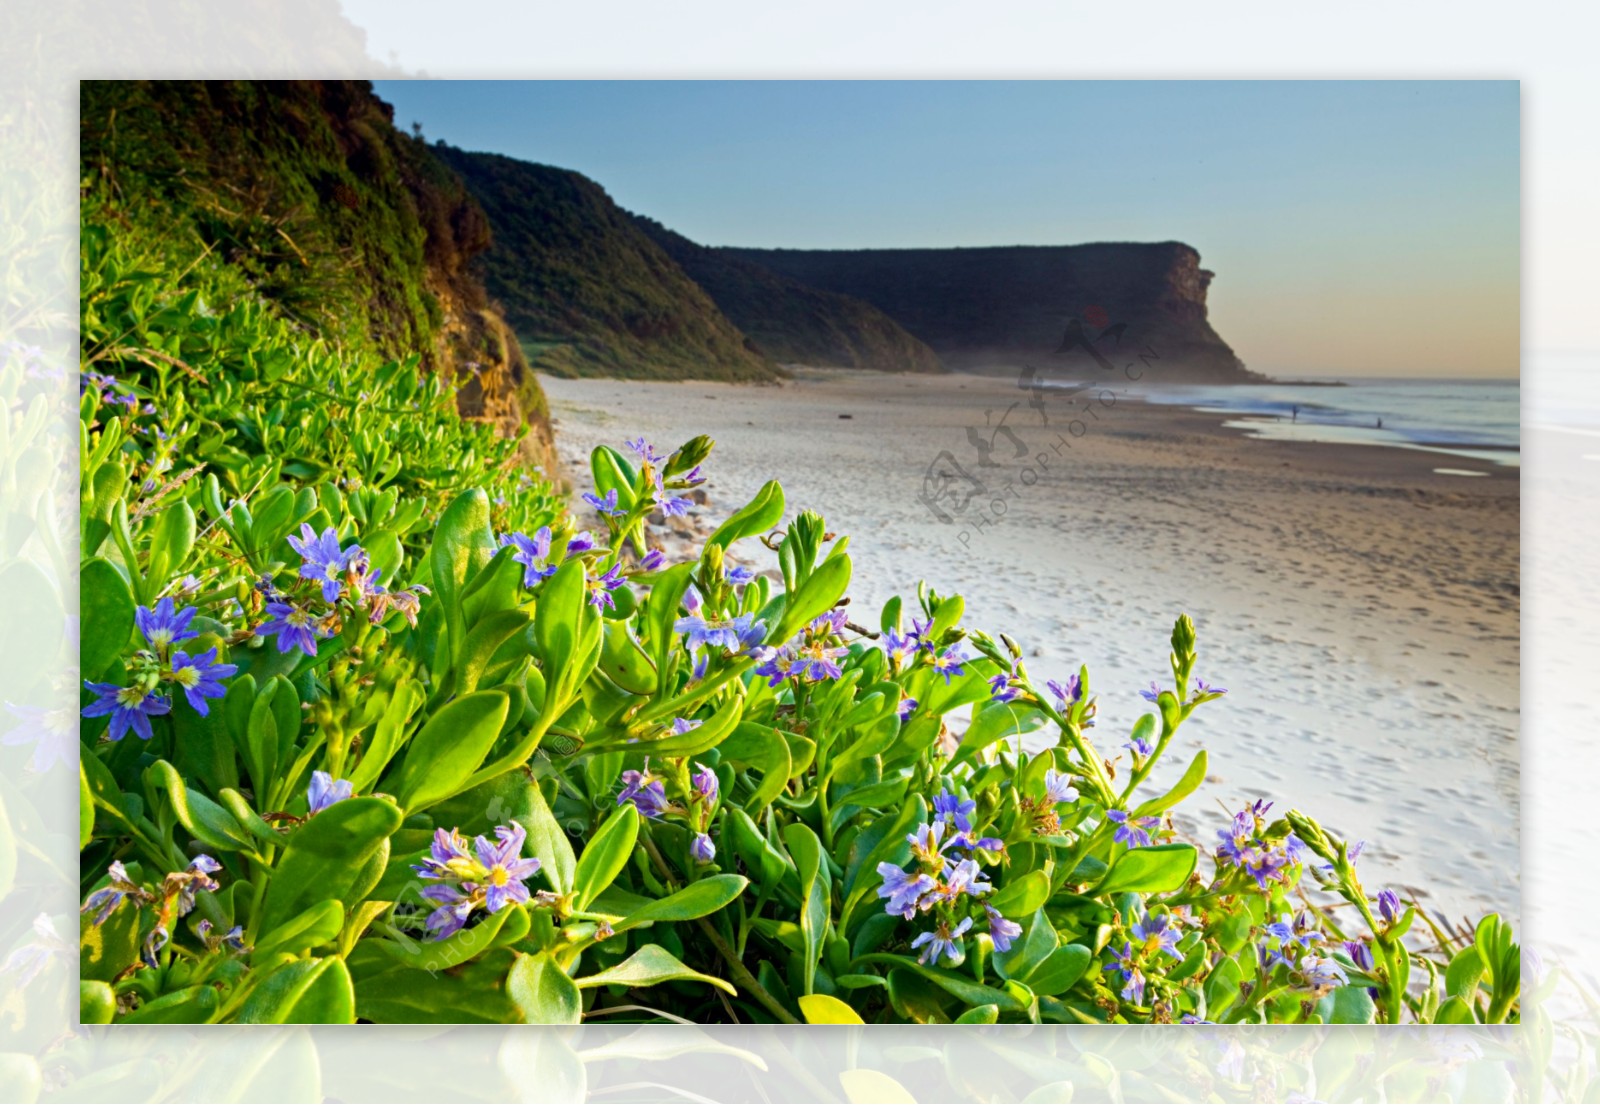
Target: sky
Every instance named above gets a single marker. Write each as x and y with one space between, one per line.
1355 228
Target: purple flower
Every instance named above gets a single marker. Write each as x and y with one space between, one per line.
942 942
325 790
232 940
198 676
1132 831
1066 693
739 575
647 792
1001 931
702 849
908 706
531 554
949 662
734 635
197 876
704 781
104 902
682 725
646 454
454 909
53 734
164 626
1300 929
1158 934
1319 972
961 878
928 844
1204 689
294 627
1058 787
1140 745
1153 694
816 661
904 891
898 648
579 543
504 868
129 707
321 559
1360 953
1244 845
447 856
955 810
652 560
600 588
607 506
1389 906
1123 963
672 506
1001 688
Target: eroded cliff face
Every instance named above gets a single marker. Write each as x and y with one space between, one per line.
1000 308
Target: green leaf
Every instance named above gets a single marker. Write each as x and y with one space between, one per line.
556 620
463 543
1348 1005
483 639
85 814
1020 897
760 747
698 899
105 607
453 950
96 1003
1465 972
992 723
1153 870
1060 970
759 514
474 994
806 849
549 844
212 825
817 595
543 991
1193 776
757 853
981 1014
171 539
192 1005
958 985
450 747
105 951
822 1009
315 925
650 966
327 857
606 854
303 991
1454 1011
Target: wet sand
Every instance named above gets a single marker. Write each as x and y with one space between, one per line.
1361 607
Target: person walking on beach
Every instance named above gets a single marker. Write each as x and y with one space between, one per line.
1294 413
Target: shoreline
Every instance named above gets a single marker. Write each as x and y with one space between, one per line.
1362 608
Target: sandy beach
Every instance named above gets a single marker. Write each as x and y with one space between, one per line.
1361 607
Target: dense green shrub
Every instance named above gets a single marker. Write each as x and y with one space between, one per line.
364 757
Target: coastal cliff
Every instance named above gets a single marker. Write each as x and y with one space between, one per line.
791 322
999 308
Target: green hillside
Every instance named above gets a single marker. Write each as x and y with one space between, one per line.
586 290
348 228
794 323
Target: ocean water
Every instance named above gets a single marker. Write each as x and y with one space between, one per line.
1475 419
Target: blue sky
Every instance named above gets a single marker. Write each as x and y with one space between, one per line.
1355 227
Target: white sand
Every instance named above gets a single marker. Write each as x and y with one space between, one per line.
1362 608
